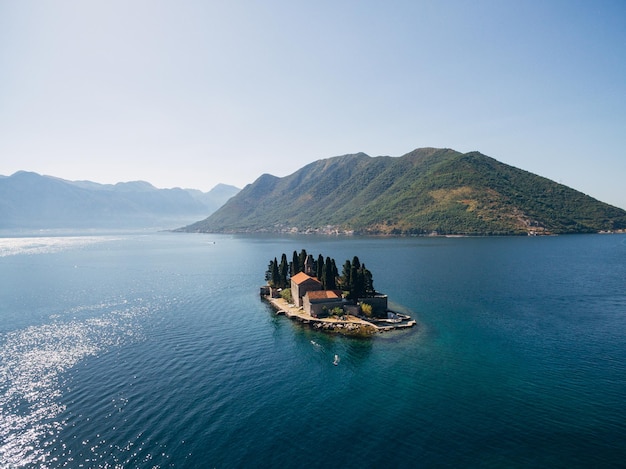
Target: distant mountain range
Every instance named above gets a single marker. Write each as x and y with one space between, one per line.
426 191
32 201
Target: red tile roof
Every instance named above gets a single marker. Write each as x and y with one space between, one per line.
324 294
301 277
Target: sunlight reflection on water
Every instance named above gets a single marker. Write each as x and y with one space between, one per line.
32 363
47 245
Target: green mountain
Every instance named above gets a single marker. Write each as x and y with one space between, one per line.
425 191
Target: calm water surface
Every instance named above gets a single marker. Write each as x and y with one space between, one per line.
154 350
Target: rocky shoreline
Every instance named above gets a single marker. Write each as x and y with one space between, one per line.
346 325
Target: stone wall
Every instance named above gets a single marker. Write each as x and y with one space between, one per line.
378 303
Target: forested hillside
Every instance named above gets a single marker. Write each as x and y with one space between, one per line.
425 191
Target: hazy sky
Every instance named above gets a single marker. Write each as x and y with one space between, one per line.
194 93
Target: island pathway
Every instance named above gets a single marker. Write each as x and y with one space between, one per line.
346 324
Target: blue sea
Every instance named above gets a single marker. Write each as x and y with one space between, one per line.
154 350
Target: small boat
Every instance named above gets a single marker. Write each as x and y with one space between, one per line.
336 360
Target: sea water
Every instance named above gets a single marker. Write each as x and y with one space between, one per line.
154 350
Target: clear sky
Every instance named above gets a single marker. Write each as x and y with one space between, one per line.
194 93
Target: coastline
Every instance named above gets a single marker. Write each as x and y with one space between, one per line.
347 325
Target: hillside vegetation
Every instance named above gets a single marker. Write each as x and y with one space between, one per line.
425 191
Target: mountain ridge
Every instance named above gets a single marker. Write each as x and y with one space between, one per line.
427 190
29 200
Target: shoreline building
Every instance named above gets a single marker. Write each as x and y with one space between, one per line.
302 283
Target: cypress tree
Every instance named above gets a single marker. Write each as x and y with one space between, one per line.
268 272
346 283
335 273
354 283
295 264
301 258
355 278
283 270
319 267
359 286
329 278
275 274
368 282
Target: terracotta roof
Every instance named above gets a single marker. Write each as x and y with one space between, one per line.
324 295
301 277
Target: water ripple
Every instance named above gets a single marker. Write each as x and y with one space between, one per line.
32 363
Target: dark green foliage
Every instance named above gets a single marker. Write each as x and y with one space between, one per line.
268 272
283 271
302 258
275 276
335 272
328 277
346 276
356 279
295 265
358 284
362 283
368 280
355 285
427 190
319 267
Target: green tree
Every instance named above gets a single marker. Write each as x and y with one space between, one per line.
319 268
335 273
301 258
285 294
355 278
362 283
359 285
295 264
337 311
356 283
268 272
368 282
346 276
275 281
328 275
283 270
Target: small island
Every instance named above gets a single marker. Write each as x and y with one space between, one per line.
312 292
